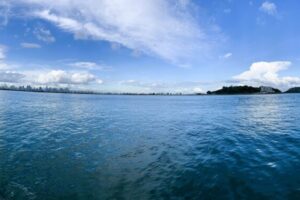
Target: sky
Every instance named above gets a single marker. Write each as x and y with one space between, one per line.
187 46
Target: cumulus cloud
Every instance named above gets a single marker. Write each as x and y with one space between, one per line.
159 27
30 45
44 35
267 73
64 77
269 8
51 77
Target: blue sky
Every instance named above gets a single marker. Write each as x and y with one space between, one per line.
150 46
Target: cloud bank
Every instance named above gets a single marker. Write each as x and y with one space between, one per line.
52 77
46 77
63 77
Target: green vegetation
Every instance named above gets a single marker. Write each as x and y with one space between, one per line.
293 90
244 90
236 90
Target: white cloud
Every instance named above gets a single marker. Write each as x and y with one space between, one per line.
158 27
227 55
30 45
99 81
49 77
44 35
267 73
63 77
198 90
86 65
269 8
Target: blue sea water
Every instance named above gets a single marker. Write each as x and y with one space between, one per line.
62 146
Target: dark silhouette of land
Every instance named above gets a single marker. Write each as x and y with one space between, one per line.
293 90
244 90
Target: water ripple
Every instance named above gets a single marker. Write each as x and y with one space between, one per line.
56 146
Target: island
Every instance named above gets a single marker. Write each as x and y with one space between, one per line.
293 90
232 90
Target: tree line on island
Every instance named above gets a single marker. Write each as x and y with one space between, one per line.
251 90
231 90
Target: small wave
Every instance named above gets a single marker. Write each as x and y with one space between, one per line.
272 164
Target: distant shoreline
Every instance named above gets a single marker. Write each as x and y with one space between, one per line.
142 94
225 91
103 93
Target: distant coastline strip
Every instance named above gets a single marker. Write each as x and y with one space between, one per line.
231 90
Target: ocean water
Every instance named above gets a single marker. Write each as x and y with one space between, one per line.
62 146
